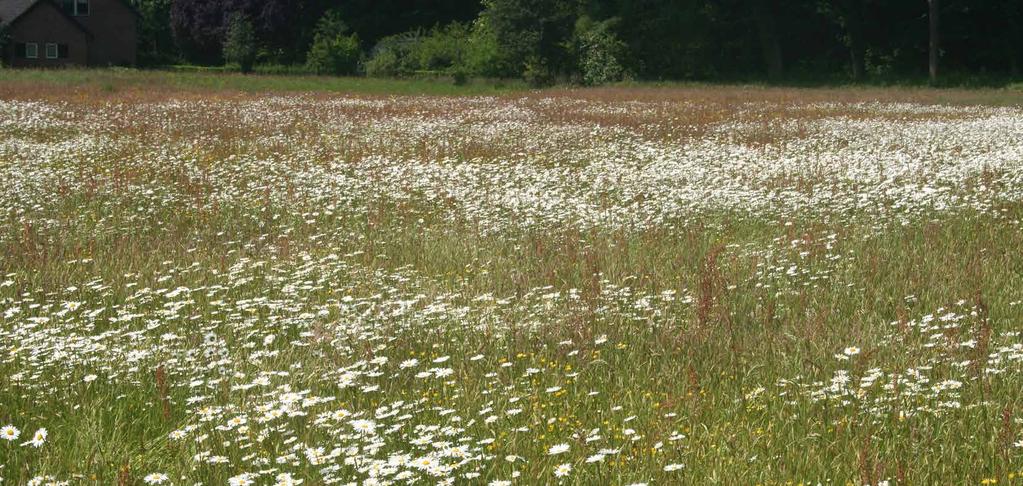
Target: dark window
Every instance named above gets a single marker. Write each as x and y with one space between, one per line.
62 51
31 50
75 7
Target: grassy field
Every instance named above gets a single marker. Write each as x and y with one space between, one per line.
208 283
120 81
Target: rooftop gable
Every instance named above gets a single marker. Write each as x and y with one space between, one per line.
10 10
20 8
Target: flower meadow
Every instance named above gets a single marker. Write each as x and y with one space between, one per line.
621 287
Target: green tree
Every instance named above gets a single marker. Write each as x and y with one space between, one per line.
600 52
395 55
848 15
1012 37
933 40
531 35
240 42
673 40
156 40
332 51
444 49
483 54
765 18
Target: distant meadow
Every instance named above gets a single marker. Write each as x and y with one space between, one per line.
621 286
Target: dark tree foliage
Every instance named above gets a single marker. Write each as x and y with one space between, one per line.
375 19
664 39
648 39
240 42
200 26
531 34
333 51
156 41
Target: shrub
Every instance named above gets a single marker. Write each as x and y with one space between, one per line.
459 75
280 69
600 52
240 42
383 63
537 72
483 55
441 50
530 36
332 51
334 55
394 55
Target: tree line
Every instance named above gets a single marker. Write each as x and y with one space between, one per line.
592 41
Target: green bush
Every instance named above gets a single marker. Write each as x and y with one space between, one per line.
459 75
332 51
530 37
281 69
483 56
337 55
537 72
383 63
600 52
395 55
441 50
240 42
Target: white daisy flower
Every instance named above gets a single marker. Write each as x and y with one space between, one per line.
558 449
155 478
9 433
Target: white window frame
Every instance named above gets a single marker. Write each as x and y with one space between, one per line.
56 50
74 8
31 50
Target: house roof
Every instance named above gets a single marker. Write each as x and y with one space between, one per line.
12 9
21 7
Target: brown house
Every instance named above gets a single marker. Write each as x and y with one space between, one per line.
51 33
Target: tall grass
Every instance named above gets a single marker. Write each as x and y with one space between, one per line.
115 80
225 287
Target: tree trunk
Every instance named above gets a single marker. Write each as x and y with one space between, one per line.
932 17
770 45
857 44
